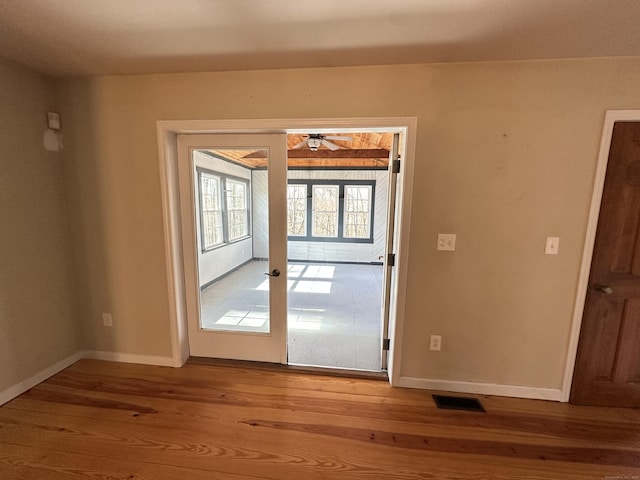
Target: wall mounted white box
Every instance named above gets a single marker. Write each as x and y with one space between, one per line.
107 320
447 241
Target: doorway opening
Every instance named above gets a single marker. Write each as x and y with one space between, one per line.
176 142
337 227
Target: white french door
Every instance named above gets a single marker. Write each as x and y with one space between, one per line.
389 252
233 214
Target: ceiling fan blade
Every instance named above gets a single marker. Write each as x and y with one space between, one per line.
300 145
339 137
330 146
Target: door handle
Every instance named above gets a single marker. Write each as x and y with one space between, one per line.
274 273
606 289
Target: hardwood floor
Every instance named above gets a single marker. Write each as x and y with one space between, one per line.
103 420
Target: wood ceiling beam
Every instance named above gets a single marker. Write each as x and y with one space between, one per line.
374 153
312 163
342 153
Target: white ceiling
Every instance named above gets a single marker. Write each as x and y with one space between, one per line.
92 37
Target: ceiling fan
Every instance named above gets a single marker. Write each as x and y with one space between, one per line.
314 140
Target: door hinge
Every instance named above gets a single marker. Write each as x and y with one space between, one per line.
386 344
396 166
391 260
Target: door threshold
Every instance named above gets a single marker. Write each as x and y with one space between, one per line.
312 370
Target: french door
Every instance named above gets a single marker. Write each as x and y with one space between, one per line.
233 214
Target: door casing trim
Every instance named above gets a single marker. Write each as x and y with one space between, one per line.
610 118
167 131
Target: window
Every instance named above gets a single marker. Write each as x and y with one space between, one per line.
297 210
325 211
330 210
211 208
237 211
357 211
223 218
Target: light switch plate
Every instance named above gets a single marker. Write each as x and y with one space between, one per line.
447 241
53 120
553 245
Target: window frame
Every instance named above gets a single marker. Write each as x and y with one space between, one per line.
223 178
203 244
229 180
306 213
341 212
315 212
356 212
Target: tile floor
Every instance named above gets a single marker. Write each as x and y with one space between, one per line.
334 311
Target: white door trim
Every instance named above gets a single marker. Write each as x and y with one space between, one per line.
611 117
167 131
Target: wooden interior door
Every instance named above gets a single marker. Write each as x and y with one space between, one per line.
607 368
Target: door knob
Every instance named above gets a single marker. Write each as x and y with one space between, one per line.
274 273
606 289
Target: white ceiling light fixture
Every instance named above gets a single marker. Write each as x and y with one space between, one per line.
314 143
315 140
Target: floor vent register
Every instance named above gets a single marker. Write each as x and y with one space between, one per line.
458 403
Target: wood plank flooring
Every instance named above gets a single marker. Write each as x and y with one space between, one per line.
103 420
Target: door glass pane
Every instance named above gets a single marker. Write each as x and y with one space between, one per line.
233 231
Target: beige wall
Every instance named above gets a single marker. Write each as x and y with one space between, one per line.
38 321
505 157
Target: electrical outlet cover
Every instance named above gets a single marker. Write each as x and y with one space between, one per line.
447 242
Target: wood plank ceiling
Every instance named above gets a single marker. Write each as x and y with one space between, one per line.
365 150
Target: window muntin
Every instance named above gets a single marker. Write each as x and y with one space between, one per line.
357 211
297 210
237 211
211 211
324 219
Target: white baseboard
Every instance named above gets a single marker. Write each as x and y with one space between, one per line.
409 382
19 388
130 358
481 388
